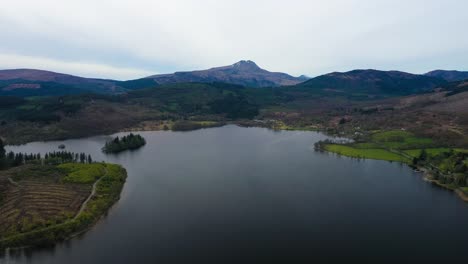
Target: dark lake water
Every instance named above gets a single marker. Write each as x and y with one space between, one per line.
252 195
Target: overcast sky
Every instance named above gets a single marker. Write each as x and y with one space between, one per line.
126 39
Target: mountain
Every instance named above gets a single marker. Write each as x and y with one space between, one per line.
31 82
450 76
372 83
356 83
245 73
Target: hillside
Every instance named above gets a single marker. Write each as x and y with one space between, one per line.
372 83
245 73
439 114
39 82
43 202
31 82
450 76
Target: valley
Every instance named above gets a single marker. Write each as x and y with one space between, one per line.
432 108
417 120
185 131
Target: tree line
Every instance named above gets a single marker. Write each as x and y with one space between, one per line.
12 159
448 167
128 142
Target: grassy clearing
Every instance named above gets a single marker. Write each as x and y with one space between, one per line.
398 139
379 154
82 173
432 151
194 125
394 145
206 123
367 146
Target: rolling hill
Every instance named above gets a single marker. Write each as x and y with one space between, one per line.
245 73
372 83
32 82
450 76
24 81
355 84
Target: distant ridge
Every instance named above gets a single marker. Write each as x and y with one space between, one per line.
33 82
450 76
24 78
369 82
244 72
373 83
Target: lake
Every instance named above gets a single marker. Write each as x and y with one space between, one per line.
253 195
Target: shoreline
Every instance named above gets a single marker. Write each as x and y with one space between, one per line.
84 221
148 126
460 193
427 176
153 125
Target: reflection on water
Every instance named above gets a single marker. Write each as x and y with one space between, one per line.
252 195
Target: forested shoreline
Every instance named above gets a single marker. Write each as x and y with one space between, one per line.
128 142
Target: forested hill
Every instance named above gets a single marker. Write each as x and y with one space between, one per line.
372 83
30 82
162 107
449 75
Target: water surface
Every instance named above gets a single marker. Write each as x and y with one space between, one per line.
252 195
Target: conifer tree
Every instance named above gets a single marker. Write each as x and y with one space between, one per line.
2 149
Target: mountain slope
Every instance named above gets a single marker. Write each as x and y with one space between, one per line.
31 82
449 75
245 73
28 82
372 83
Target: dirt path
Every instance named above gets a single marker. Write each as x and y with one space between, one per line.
83 206
13 182
93 192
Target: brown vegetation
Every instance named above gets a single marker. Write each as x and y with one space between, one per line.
33 196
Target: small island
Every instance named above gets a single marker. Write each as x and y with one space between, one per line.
49 198
129 142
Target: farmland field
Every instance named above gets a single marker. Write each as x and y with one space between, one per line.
371 153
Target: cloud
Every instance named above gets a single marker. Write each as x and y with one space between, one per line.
296 36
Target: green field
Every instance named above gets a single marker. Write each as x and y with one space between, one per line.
82 173
379 154
382 145
430 151
398 139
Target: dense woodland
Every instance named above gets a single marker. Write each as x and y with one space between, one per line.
372 101
128 142
11 159
449 167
